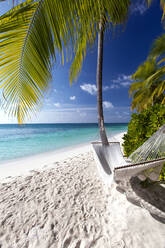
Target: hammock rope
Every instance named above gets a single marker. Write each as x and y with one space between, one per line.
153 148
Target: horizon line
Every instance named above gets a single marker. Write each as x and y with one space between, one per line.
62 123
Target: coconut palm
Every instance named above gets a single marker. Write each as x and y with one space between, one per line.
149 85
34 32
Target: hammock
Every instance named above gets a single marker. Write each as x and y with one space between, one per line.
146 161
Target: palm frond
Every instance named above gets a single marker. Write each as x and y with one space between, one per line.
14 33
162 4
148 87
144 70
112 12
30 35
158 47
135 86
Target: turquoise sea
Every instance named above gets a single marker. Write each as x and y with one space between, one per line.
30 139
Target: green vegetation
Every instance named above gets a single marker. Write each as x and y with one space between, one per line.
35 33
148 98
149 84
142 126
32 35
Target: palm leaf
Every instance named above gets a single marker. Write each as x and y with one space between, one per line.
112 12
34 32
162 5
28 39
14 31
148 86
158 47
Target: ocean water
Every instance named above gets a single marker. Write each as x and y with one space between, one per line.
30 139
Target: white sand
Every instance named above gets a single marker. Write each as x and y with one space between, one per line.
24 166
67 206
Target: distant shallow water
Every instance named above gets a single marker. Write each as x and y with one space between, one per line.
30 139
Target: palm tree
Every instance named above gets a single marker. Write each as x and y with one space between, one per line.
34 32
31 35
149 85
99 84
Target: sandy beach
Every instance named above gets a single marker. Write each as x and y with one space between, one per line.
60 201
82 124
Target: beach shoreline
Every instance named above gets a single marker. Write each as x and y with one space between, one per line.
23 166
67 205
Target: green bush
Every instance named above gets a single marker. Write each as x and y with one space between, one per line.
141 127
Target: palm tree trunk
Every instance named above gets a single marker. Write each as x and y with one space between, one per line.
103 135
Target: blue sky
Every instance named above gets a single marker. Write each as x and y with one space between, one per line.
124 50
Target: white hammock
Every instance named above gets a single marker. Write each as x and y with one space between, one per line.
146 161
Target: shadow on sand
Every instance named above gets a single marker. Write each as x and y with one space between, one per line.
151 198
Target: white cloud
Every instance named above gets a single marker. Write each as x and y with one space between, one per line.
57 104
77 109
73 113
126 113
79 114
108 105
114 86
122 78
139 7
125 84
90 88
48 102
72 98
54 90
82 114
126 77
105 88
5 119
121 81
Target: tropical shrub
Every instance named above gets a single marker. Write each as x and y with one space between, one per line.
142 126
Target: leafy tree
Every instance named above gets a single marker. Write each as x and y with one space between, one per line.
142 126
149 85
32 34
